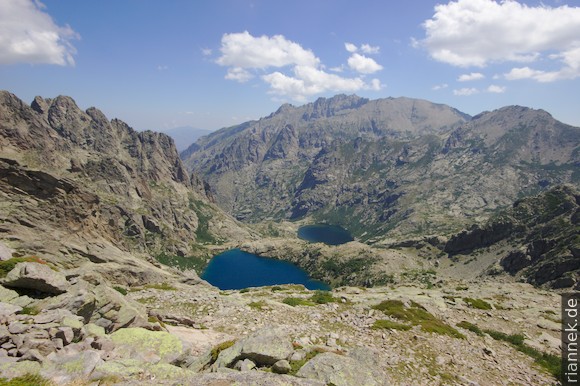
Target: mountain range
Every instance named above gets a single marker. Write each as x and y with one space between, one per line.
385 169
101 225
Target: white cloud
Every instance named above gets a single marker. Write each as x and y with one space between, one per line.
465 91
363 64
375 85
299 73
206 51
570 70
240 74
350 47
368 49
310 81
478 32
162 68
365 48
470 77
246 51
439 86
29 35
495 89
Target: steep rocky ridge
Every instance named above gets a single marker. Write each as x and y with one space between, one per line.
385 168
100 189
536 240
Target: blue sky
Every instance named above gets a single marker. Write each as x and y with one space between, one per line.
210 64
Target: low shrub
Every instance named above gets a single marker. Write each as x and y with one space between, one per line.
417 315
390 325
470 327
477 303
297 302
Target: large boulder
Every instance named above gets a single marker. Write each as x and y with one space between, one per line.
37 277
68 367
148 344
264 348
133 371
338 370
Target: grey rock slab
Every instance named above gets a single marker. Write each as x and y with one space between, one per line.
35 276
281 367
339 370
7 309
63 369
6 295
267 347
18 328
244 365
12 370
5 252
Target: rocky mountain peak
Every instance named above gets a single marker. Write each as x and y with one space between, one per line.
145 199
328 107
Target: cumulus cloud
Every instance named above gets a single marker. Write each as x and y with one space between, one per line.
365 48
438 87
289 69
479 32
465 91
368 49
350 47
240 74
363 64
495 89
29 35
470 77
246 51
309 81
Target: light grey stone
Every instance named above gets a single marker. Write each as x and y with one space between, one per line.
281 367
38 277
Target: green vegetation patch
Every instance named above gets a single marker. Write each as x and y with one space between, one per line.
259 305
470 327
477 303
297 302
183 263
26 380
161 286
323 297
276 288
549 362
423 276
121 290
203 212
417 315
390 325
30 310
8 265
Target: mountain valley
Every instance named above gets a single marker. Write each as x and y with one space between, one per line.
466 230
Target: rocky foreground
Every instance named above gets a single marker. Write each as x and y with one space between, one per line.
72 327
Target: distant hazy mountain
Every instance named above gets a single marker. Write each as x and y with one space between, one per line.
391 167
185 136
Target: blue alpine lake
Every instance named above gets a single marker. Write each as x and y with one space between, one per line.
236 269
324 233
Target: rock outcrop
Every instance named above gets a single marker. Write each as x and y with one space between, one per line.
101 190
540 233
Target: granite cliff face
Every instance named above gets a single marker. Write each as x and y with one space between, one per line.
100 189
389 168
536 240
